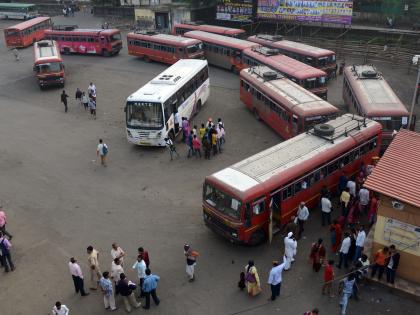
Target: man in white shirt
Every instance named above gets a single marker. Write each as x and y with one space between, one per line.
344 250
92 89
275 278
360 243
140 266
290 248
102 151
116 270
363 200
76 273
95 271
302 215
326 210
351 185
117 252
60 309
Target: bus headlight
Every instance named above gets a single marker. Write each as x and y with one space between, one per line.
234 234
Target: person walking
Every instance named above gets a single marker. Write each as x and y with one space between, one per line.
77 275
344 200
60 309
177 121
336 231
191 256
149 288
252 280
108 291
275 278
79 96
102 152
317 255
344 250
171 146
126 288
363 200
185 129
214 140
85 101
360 243
302 215
92 89
117 252
326 210
379 262
348 284
95 272
189 142
289 250
196 146
15 54
116 270
3 221
328 278
6 258
206 146
92 106
392 263
64 97
145 254
140 266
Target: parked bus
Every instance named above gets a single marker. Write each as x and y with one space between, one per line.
181 29
282 104
181 89
105 42
48 64
366 92
239 200
316 57
26 33
18 11
163 48
222 51
312 79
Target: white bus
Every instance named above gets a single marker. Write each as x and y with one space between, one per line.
22 11
184 88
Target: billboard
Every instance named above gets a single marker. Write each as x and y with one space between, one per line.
234 10
327 11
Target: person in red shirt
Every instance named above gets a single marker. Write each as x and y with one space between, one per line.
145 256
373 210
196 146
380 259
328 278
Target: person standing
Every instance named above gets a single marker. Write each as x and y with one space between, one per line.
140 266
102 151
379 262
392 263
252 280
317 255
342 183
108 291
326 210
328 278
117 252
149 288
145 254
351 185
60 309
363 200
206 147
95 272
213 133
196 146
3 221
92 106
189 142
116 270
177 121
336 232
79 96
64 97
344 200
302 215
289 250
191 256
373 210
6 258
126 288
360 243
185 129
348 284
202 132
344 250
275 278
85 101
77 275
15 54
92 89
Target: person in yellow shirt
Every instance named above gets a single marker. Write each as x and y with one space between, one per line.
345 199
202 132
214 141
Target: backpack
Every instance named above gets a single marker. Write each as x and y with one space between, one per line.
104 149
3 248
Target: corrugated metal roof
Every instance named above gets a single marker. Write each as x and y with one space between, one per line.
397 174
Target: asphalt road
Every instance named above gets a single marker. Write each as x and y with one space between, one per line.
59 200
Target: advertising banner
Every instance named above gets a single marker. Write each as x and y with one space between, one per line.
327 11
234 10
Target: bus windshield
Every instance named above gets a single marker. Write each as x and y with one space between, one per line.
146 115
222 202
313 83
195 48
48 67
115 37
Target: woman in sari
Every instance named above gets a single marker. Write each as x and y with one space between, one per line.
252 279
317 255
336 231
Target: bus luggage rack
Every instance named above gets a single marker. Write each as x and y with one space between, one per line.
266 51
64 27
266 73
271 38
332 132
366 72
146 32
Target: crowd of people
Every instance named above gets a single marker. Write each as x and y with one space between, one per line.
86 100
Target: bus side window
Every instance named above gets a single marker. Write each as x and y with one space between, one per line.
258 206
288 192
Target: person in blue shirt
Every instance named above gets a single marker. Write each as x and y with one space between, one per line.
149 288
348 284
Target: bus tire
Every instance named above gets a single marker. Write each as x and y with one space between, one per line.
146 59
234 70
257 237
324 129
105 53
198 107
66 51
256 114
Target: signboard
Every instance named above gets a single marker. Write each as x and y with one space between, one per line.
234 10
327 11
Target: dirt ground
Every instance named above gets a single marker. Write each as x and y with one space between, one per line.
59 199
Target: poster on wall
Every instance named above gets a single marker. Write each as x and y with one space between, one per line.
234 10
327 11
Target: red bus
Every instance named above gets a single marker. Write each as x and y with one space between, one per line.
86 41
239 200
222 51
181 29
48 64
163 48
285 106
310 78
26 33
316 57
366 92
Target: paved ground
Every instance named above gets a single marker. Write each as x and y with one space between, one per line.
59 200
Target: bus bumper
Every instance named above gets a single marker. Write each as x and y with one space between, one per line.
222 229
51 81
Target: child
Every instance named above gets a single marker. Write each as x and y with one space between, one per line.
241 283
328 278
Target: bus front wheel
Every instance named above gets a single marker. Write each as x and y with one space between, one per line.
257 238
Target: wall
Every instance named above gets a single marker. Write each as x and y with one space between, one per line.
123 12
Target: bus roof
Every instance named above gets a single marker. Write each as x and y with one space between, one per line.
85 31
373 93
300 48
165 84
46 50
165 38
29 23
221 40
211 28
16 5
284 64
289 94
292 159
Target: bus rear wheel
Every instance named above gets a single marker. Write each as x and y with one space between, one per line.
257 238
66 51
147 59
105 53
